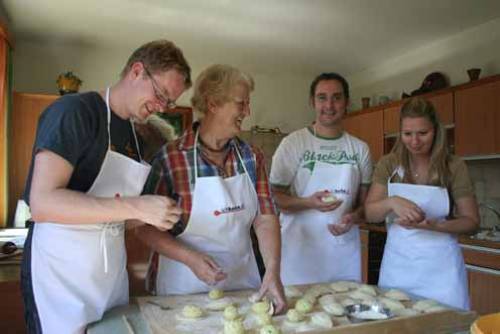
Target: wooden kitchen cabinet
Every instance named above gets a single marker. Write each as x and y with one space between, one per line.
443 102
369 127
483 272
477 119
364 236
26 108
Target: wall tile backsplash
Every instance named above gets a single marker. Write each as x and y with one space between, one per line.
485 175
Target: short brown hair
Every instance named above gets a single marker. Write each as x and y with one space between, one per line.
216 82
160 56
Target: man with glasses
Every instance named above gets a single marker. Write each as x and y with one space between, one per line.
85 180
320 176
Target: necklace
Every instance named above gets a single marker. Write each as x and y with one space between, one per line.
214 150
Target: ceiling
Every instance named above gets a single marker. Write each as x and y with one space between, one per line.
260 35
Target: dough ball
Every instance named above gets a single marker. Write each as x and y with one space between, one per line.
234 327
294 316
391 304
231 312
261 307
330 198
347 302
326 299
334 309
303 305
254 297
216 294
405 312
322 319
361 295
264 319
269 329
292 292
368 289
396 294
424 304
343 286
192 312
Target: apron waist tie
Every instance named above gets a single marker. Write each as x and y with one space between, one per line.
114 230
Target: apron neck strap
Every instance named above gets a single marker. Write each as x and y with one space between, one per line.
195 156
108 110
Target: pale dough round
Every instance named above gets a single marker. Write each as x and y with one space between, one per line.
292 292
234 327
216 294
334 309
303 305
397 295
391 304
368 289
329 198
326 299
261 307
343 286
264 319
231 312
294 316
192 312
347 302
424 304
361 295
269 329
322 319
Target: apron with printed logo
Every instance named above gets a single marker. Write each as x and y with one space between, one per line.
79 271
219 226
425 263
310 253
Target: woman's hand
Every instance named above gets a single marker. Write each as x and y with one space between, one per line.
407 211
344 226
273 288
205 268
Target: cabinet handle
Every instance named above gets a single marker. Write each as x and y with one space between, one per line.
482 269
481 249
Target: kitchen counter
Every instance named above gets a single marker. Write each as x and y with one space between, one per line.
462 239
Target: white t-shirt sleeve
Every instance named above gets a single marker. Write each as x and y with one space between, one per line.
285 163
365 165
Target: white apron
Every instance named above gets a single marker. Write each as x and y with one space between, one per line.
219 226
79 271
425 263
310 253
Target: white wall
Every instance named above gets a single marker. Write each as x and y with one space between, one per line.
476 47
279 100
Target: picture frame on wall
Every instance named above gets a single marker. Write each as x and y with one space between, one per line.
181 118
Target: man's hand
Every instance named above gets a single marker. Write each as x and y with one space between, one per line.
344 226
273 288
316 201
159 211
205 268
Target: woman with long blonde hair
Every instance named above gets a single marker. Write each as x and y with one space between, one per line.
426 197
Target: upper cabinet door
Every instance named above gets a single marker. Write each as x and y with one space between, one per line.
442 102
368 127
477 116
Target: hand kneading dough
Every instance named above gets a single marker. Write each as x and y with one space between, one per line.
303 305
334 309
269 329
234 327
397 295
231 312
294 316
215 294
192 312
292 292
264 319
321 319
219 304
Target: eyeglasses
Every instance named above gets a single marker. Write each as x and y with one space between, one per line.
242 104
160 96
